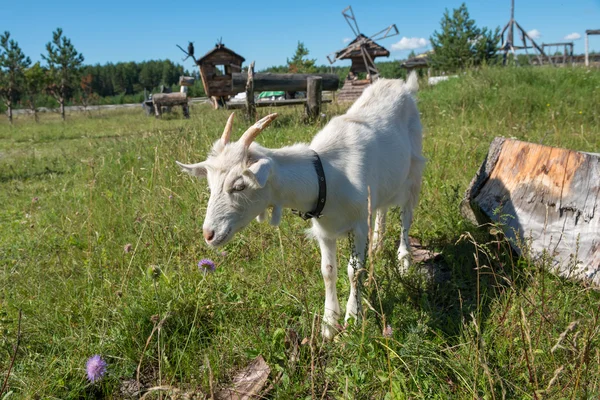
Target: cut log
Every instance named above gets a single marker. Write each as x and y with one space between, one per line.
169 99
545 197
283 82
236 105
186 80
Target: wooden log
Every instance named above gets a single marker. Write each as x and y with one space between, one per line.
313 97
283 82
186 80
545 197
237 105
250 108
169 99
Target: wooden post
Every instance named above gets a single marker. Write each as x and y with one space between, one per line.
250 106
157 110
314 95
587 49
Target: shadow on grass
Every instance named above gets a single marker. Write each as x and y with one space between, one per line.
14 175
471 271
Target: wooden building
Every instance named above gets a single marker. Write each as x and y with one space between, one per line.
362 52
216 69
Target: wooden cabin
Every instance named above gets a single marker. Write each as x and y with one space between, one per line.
216 69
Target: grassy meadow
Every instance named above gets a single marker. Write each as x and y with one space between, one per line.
101 234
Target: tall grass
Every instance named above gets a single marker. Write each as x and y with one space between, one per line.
74 194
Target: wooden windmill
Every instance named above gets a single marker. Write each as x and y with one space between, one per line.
361 52
508 43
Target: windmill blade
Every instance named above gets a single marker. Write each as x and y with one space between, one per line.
351 20
390 31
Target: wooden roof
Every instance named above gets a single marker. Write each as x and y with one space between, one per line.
374 49
220 48
420 61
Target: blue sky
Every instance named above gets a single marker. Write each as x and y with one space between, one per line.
268 31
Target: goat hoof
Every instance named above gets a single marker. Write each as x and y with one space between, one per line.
404 263
329 331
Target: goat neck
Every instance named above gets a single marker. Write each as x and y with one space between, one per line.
295 184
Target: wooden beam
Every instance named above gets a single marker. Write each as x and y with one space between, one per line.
283 82
544 197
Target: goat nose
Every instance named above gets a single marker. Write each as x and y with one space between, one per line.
208 234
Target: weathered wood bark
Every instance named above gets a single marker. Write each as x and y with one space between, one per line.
250 108
170 99
283 82
547 198
186 80
313 97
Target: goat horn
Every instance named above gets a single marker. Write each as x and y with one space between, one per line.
252 132
227 130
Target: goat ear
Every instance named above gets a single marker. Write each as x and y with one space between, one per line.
198 169
259 172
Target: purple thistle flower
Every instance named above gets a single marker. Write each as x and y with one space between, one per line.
207 265
388 331
95 368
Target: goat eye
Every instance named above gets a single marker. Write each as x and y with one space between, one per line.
239 187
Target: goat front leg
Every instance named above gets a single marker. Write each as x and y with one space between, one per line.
355 265
329 271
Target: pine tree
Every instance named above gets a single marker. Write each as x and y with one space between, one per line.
12 67
299 63
63 64
461 44
35 82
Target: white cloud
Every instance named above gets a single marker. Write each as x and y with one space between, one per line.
534 34
346 40
573 36
410 44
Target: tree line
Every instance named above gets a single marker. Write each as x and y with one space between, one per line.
62 78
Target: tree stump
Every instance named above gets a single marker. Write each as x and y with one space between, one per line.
545 197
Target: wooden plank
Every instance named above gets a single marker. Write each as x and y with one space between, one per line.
546 197
284 82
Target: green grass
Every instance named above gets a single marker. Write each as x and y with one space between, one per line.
73 194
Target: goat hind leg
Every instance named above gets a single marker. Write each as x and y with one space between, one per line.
378 230
329 271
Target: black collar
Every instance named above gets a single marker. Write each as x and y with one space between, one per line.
316 213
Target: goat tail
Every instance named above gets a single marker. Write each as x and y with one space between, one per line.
412 82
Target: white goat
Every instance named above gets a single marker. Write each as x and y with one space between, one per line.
376 144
